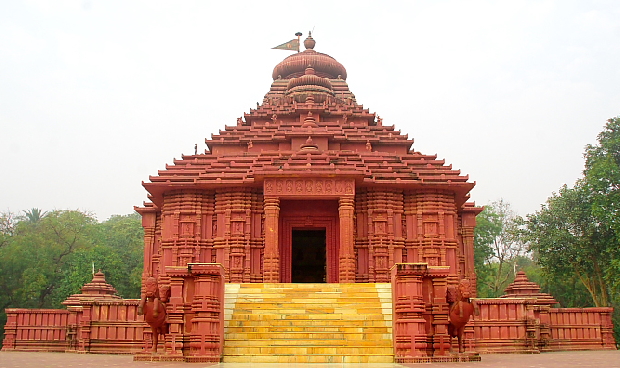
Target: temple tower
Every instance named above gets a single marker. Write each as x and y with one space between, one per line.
309 187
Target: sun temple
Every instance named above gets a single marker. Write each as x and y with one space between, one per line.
309 187
310 232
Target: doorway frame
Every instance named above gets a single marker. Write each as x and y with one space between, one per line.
313 220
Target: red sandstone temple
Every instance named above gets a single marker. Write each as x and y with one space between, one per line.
309 232
309 187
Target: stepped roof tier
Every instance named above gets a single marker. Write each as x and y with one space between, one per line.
97 289
522 287
309 123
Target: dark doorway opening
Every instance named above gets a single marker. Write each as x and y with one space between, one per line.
308 256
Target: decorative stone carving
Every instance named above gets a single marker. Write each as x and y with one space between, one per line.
320 187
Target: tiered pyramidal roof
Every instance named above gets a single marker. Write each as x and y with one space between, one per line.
309 124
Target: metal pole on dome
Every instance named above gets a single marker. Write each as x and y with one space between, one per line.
298 34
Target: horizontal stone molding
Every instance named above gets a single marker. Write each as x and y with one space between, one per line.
315 187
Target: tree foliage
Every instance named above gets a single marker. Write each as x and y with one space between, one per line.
8 221
34 215
498 248
602 175
576 235
570 241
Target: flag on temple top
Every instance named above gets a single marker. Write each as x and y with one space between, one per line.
292 45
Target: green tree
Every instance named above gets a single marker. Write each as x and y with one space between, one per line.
497 248
570 241
488 227
8 221
46 247
602 174
602 181
34 215
124 236
575 236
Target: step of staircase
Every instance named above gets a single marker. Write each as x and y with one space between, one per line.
308 323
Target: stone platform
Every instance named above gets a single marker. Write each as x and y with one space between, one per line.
583 359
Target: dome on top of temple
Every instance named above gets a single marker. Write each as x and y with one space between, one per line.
295 65
309 78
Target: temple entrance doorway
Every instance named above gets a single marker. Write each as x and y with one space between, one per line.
308 241
308 256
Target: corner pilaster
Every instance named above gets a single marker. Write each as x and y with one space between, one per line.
347 252
271 260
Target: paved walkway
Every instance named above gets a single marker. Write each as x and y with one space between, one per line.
585 359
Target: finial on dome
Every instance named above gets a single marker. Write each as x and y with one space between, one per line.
309 42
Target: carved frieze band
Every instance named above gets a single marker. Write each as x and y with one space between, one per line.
283 187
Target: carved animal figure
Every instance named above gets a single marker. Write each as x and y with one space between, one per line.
153 307
461 309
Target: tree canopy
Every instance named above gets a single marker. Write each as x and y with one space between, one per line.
576 233
575 236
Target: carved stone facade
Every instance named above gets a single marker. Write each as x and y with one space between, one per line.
309 164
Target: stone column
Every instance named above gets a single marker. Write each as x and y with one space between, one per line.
607 328
176 310
207 332
10 329
148 224
467 226
409 326
271 260
439 309
84 327
347 252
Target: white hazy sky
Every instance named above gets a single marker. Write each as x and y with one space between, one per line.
95 96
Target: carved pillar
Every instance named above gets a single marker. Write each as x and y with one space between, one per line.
84 327
362 245
176 310
271 263
439 310
544 334
72 328
607 328
257 244
409 325
467 226
347 253
207 333
148 223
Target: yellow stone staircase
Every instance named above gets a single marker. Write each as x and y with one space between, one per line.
308 323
